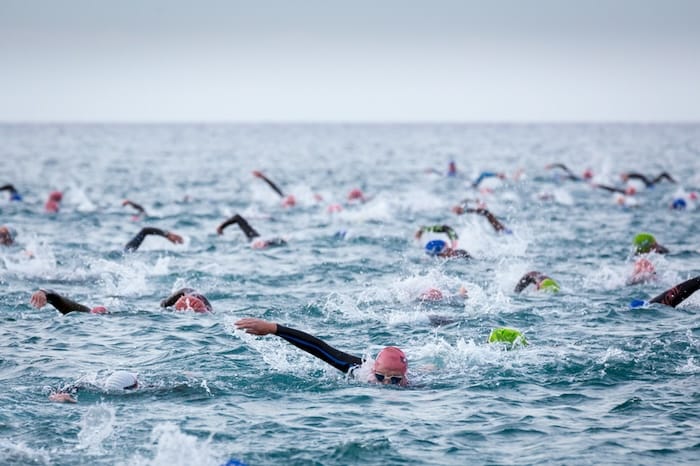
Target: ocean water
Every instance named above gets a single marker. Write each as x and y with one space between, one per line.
599 383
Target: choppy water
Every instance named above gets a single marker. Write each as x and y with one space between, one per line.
599 383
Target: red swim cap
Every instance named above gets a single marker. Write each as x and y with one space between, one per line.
433 294
99 310
191 303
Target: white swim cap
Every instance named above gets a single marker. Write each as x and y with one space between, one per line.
121 380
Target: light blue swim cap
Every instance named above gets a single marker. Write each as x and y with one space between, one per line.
435 247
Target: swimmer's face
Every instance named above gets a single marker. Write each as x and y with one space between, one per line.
5 236
390 367
190 303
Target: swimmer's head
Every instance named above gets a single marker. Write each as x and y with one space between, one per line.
289 201
432 294
507 335
7 235
390 367
191 302
645 243
56 196
99 310
356 194
435 247
548 285
588 174
679 204
122 380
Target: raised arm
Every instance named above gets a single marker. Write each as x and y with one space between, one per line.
344 362
498 226
62 304
679 293
245 227
139 208
527 279
136 241
258 174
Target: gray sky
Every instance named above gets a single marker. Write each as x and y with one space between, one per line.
325 60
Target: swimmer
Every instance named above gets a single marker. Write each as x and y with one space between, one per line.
645 243
356 194
673 296
439 248
7 235
507 335
644 272
117 381
62 304
287 201
53 202
140 211
435 295
250 233
647 182
541 281
498 226
14 195
136 241
390 367
187 299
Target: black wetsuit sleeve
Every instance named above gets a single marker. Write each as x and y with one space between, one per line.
662 176
342 361
641 177
245 227
172 299
272 185
612 189
527 279
63 305
136 206
498 226
568 172
136 241
8 187
676 295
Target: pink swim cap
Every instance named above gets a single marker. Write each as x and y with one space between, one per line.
392 358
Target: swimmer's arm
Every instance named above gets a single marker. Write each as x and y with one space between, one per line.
641 177
258 174
304 341
498 226
134 244
611 189
525 280
172 299
136 206
62 304
676 295
662 176
243 224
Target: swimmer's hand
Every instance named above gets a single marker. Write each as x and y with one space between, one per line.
38 299
258 174
459 210
174 238
256 326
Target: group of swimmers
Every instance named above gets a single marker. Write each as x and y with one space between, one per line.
391 364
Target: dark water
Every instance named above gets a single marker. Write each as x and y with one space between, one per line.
598 384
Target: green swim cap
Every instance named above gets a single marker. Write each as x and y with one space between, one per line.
643 242
549 285
507 335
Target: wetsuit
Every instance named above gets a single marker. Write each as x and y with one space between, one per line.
63 305
528 279
138 207
172 299
249 231
342 361
647 182
498 226
14 195
483 176
676 295
569 174
271 184
134 244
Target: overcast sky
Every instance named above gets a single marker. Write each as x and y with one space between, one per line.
325 60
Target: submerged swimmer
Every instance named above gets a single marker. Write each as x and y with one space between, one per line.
62 304
541 281
250 233
187 299
136 241
673 296
439 248
390 367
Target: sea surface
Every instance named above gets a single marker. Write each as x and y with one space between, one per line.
599 382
